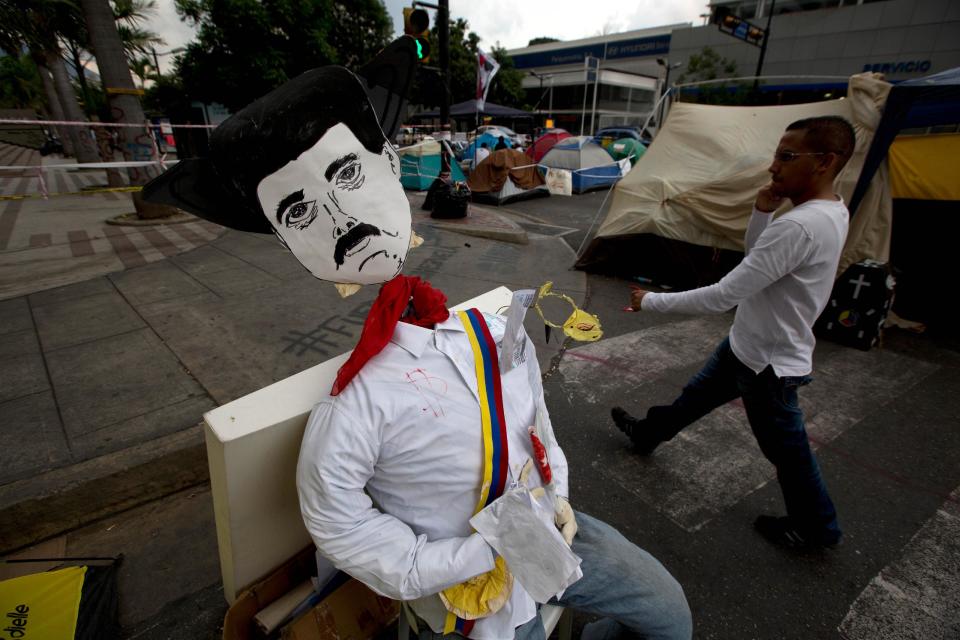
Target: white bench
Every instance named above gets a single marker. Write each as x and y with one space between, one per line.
252 448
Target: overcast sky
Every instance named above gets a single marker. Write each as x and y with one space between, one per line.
511 23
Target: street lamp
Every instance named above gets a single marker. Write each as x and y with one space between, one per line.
540 99
665 63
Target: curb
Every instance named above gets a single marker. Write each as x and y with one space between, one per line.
33 520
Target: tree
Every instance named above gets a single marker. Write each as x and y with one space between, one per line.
137 41
542 40
246 48
710 65
363 28
20 84
507 86
124 103
34 25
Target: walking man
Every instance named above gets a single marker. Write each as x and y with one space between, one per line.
779 289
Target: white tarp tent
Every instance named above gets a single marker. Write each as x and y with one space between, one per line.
698 179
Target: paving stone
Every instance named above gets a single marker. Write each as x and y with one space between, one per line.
132 377
71 292
31 438
156 282
15 315
237 280
205 260
76 321
21 365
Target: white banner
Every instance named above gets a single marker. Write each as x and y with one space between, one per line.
559 182
487 67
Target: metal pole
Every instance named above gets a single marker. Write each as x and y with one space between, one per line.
586 79
596 86
443 35
550 107
156 62
763 48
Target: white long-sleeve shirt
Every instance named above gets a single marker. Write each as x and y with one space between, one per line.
779 289
390 470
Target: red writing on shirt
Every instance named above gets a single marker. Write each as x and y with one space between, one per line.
430 388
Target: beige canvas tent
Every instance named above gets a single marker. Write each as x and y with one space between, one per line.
694 187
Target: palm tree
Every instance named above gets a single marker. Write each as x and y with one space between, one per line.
122 95
33 25
136 40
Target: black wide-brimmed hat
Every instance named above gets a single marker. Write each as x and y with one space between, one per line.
278 127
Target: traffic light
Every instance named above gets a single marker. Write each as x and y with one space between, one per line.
737 27
416 23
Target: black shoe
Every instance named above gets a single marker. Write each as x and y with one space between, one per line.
644 442
783 533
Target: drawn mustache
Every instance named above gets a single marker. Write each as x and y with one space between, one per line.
351 239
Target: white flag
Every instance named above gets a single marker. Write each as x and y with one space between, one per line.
487 67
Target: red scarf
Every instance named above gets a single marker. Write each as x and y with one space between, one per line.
428 308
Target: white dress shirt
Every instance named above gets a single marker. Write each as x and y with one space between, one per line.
781 286
390 470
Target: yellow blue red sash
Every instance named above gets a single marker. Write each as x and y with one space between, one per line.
494 426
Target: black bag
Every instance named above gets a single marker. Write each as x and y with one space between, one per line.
858 306
451 202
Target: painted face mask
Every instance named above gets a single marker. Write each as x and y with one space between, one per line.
309 163
340 209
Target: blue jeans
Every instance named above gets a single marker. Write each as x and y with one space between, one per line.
774 413
634 592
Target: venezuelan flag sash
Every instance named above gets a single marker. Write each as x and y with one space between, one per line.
493 423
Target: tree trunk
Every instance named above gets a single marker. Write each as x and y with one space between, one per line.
82 142
137 144
53 100
81 74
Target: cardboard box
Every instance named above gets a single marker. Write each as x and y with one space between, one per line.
351 612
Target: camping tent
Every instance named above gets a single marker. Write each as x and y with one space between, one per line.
923 102
925 184
680 215
490 138
506 175
544 143
592 167
420 165
626 148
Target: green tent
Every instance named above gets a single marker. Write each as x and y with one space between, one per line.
420 165
627 148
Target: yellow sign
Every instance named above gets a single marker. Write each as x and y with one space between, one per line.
125 92
41 606
549 123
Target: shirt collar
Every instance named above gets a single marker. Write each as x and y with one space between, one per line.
414 339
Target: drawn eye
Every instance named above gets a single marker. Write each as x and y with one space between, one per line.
300 215
349 177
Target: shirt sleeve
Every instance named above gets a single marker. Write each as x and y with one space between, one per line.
337 459
758 222
779 249
558 461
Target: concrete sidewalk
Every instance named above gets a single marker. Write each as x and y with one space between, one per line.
106 380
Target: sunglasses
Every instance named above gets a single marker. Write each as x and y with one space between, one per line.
790 156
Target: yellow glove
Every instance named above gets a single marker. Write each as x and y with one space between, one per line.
481 595
565 520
